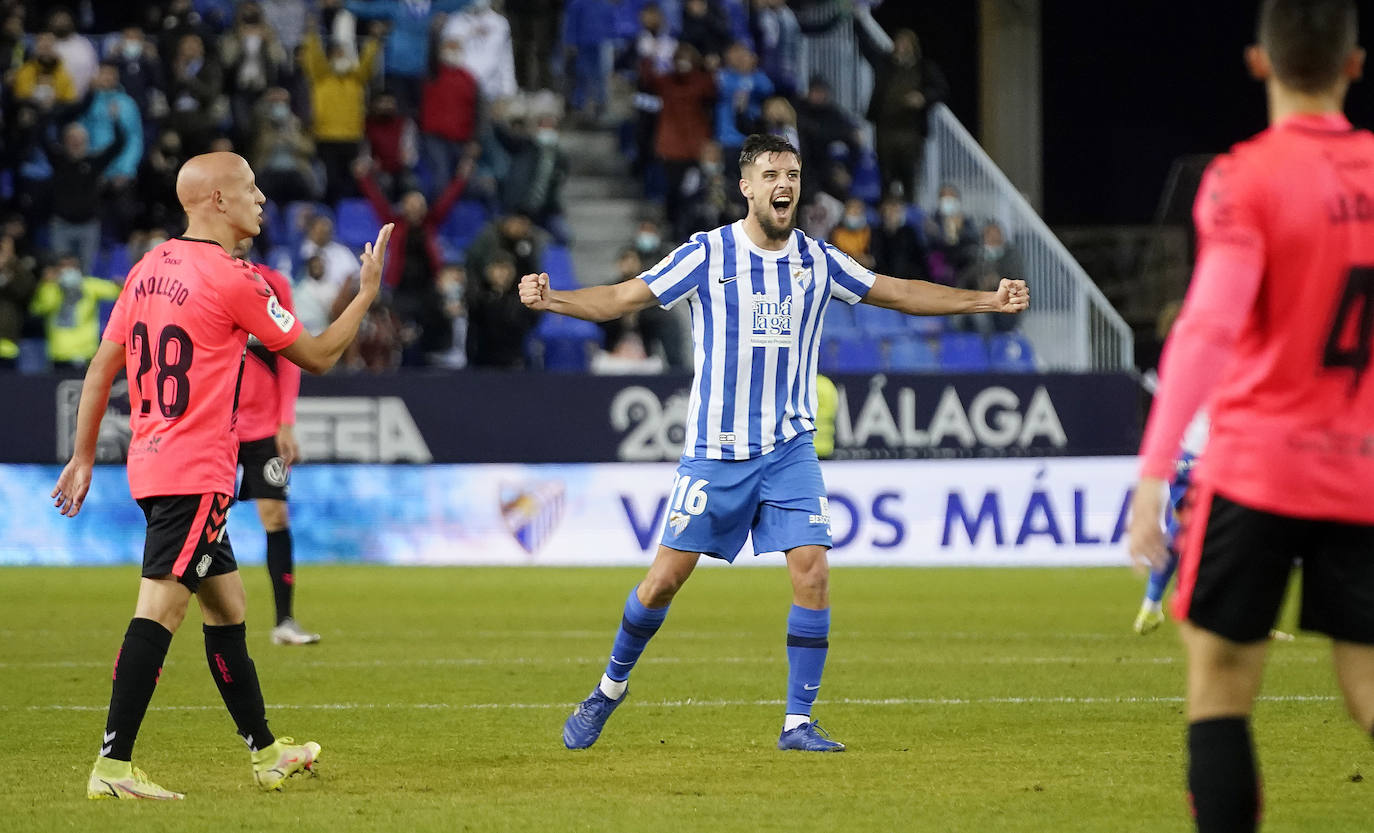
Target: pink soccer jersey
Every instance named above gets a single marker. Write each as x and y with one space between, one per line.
267 395
184 318
1278 325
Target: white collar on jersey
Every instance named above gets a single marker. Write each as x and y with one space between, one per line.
742 236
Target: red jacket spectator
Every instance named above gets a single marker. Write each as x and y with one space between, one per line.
684 125
413 214
385 131
448 106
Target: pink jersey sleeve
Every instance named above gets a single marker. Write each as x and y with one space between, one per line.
1226 282
255 307
288 373
117 328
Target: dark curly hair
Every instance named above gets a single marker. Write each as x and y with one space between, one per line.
761 143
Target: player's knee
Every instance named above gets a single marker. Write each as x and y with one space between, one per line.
658 589
273 515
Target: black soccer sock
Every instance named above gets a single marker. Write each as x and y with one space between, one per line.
237 679
281 567
1222 779
136 671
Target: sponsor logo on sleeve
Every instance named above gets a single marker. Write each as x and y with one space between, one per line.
284 320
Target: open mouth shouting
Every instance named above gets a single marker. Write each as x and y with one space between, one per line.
782 207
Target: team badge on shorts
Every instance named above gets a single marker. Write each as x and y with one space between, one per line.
275 472
203 566
678 521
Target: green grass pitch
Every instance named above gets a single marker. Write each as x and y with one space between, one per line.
972 700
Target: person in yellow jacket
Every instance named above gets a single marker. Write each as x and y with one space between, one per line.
338 98
827 404
42 81
69 302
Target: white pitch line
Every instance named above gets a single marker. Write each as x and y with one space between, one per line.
712 704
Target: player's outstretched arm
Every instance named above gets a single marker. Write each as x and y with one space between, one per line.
595 303
75 479
925 298
318 354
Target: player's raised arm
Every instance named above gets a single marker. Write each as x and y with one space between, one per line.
915 297
594 303
318 354
75 479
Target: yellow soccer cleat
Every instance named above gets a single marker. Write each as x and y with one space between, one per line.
1150 617
283 759
121 779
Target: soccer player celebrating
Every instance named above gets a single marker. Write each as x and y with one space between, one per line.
758 290
1275 336
179 329
267 448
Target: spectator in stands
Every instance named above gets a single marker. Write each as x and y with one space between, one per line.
110 105
513 234
289 19
140 71
415 259
654 48
498 323
338 93
648 242
407 44
952 238
69 303
13 43
76 175
534 183
657 332
777 35
314 295
449 109
157 176
853 236
705 195
178 20
16 289
822 214
905 87
253 61
339 263
194 93
283 155
76 51
43 83
706 28
587 42
335 24
776 118
484 34
684 125
452 286
896 246
534 31
827 131
742 90
995 259
391 137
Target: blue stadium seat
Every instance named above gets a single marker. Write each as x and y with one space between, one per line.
839 320
1011 353
859 354
964 352
926 325
357 223
558 263
102 314
561 353
463 222
33 356
283 259
877 321
912 354
271 221
868 183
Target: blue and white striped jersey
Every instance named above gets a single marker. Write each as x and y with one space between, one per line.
756 334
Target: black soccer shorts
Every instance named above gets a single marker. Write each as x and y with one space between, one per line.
187 537
265 474
1235 563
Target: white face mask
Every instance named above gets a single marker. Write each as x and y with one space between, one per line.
69 278
646 241
853 222
342 65
949 206
992 252
546 136
452 57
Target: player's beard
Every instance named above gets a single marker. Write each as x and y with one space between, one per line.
772 229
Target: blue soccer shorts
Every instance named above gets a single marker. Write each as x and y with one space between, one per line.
779 496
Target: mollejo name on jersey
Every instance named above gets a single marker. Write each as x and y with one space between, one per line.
170 288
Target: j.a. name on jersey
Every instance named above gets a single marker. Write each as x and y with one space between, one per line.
1351 207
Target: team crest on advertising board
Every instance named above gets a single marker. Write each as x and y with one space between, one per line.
532 511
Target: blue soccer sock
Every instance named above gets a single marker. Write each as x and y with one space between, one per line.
1159 580
808 641
637 626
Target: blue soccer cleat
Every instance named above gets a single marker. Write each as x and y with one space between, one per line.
809 737
584 725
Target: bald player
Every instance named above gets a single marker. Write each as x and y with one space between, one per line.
179 330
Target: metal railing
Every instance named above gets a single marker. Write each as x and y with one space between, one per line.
829 49
1071 324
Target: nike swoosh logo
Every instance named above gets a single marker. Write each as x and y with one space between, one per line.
618 662
728 280
114 792
810 687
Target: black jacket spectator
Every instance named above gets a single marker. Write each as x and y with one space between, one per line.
498 323
905 86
